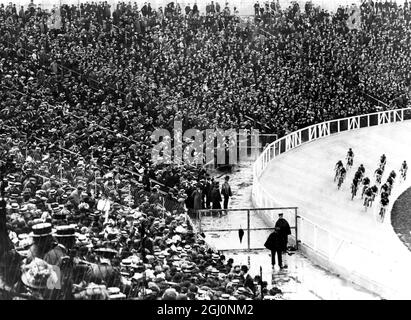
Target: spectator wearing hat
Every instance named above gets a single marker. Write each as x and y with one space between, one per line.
146 246
197 196
76 196
216 196
155 196
106 107
31 185
44 247
65 236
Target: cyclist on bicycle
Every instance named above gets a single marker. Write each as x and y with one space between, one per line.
403 170
361 168
384 203
366 183
390 183
384 188
337 169
350 157
354 188
358 175
383 161
374 190
378 174
368 197
384 194
341 178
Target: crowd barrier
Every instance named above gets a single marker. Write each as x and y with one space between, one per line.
330 250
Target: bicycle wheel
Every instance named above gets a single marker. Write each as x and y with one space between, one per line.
382 212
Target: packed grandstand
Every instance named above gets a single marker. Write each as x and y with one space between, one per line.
84 86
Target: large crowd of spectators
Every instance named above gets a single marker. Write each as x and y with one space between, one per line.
79 103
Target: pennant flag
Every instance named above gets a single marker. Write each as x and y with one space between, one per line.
54 21
354 19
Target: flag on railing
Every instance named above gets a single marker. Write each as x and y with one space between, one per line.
354 19
54 22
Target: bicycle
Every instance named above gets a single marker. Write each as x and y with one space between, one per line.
403 174
382 213
354 189
363 191
340 181
366 184
384 203
382 166
371 200
378 178
368 199
337 173
350 161
389 189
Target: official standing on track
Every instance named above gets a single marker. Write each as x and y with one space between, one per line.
284 232
273 243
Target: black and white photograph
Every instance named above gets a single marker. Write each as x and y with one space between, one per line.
212 151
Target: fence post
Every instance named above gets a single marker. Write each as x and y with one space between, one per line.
199 221
248 228
296 228
261 283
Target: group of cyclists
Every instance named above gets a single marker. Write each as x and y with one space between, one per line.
369 191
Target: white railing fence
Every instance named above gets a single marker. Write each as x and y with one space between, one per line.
328 246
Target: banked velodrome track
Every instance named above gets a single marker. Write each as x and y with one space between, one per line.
334 231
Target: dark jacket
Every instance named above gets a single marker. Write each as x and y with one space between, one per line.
226 190
283 233
249 283
216 197
273 241
197 199
207 190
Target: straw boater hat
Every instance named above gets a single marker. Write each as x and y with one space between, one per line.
65 231
41 230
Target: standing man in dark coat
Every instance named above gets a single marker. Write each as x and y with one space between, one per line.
273 243
197 198
195 9
257 9
284 232
22 14
216 196
187 9
226 192
44 246
144 10
217 7
207 194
